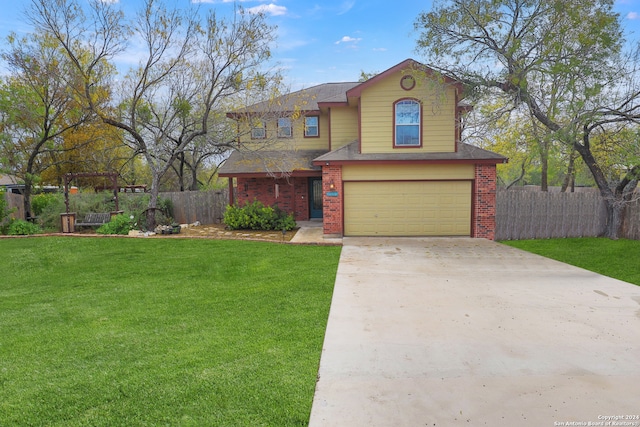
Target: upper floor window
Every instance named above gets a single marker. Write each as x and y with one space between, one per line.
407 132
284 128
259 130
311 128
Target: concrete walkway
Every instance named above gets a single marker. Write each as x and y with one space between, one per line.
311 232
459 331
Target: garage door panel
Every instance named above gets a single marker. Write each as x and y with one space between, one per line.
418 208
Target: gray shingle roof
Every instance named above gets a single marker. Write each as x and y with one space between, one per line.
465 152
305 99
271 163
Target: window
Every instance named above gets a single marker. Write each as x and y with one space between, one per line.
407 123
259 131
311 127
284 128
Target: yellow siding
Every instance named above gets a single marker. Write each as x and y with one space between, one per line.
438 116
406 172
297 142
419 208
344 126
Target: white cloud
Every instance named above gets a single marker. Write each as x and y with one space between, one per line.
380 49
269 9
346 7
110 1
347 39
633 15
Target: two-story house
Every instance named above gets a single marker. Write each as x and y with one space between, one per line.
376 158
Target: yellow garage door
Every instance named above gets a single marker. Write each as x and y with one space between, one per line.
416 208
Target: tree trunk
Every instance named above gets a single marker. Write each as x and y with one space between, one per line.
614 201
194 179
153 200
181 171
544 173
544 165
615 217
26 198
569 177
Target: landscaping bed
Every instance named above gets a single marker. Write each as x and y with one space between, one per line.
219 231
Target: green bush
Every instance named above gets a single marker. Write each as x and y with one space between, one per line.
20 227
120 224
40 201
256 216
5 213
85 202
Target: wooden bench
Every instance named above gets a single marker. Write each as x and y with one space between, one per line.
94 219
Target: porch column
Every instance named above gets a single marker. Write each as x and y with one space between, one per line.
484 202
332 200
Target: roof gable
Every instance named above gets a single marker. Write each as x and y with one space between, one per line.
332 94
405 65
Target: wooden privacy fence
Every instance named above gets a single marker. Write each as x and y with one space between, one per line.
542 215
15 201
205 206
631 224
519 214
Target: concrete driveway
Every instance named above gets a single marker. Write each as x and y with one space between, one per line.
458 331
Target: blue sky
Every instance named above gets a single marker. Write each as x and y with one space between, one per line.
328 40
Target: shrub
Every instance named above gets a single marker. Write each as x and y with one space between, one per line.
120 224
256 216
49 216
40 201
20 227
5 213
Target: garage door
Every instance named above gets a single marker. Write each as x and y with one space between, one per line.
416 208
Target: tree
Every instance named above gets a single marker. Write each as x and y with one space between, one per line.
92 147
560 60
190 69
39 105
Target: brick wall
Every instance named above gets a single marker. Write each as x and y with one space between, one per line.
292 195
484 203
332 206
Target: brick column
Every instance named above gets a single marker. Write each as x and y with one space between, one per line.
484 206
332 206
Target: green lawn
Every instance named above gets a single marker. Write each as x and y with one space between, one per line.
149 332
613 258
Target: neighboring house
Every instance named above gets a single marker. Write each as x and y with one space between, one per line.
377 158
10 184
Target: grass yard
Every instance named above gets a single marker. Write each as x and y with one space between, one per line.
613 258
149 332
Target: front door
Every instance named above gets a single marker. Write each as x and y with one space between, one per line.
315 197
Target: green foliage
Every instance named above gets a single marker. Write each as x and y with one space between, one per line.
257 216
49 216
5 213
40 201
20 227
83 203
166 206
119 224
151 332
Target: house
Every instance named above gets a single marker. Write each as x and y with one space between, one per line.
10 184
376 158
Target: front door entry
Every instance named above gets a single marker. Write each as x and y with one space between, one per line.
315 197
